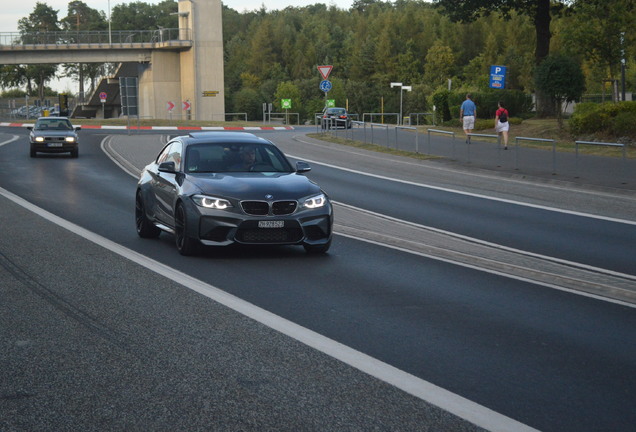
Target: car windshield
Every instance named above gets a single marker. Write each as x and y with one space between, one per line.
53 124
235 157
337 111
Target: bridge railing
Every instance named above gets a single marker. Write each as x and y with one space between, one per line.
16 40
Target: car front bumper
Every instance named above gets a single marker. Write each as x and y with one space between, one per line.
219 228
54 146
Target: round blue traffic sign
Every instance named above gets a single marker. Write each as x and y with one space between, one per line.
325 86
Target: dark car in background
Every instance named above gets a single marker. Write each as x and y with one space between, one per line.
53 135
222 188
335 118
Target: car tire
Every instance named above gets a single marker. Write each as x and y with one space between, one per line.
317 249
33 153
75 153
186 245
145 228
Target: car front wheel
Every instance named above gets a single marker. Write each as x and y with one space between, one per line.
185 245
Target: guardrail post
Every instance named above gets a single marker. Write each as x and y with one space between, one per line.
576 144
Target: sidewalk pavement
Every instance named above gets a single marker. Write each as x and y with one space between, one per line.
519 160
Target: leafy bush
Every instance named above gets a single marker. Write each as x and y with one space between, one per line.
617 119
481 124
625 124
442 110
516 102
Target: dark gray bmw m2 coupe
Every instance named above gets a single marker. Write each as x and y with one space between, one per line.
219 188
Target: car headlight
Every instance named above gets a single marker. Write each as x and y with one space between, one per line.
315 201
69 139
211 202
39 139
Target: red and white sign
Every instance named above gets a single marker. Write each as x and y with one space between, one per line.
186 105
102 97
325 71
170 106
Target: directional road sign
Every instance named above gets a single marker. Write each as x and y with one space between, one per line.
325 86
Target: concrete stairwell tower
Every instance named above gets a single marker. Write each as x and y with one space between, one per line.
193 76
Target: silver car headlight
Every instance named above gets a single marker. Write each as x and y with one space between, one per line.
315 201
69 139
210 202
39 139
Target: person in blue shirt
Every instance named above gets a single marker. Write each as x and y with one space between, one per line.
467 114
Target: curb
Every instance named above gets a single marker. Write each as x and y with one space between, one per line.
201 128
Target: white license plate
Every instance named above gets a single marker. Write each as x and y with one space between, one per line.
271 224
54 145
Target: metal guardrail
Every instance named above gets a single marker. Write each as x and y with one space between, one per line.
517 139
417 117
443 132
372 115
236 115
595 143
20 41
417 141
282 115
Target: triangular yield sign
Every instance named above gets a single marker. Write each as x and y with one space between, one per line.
325 71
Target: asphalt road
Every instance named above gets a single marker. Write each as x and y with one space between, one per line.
130 348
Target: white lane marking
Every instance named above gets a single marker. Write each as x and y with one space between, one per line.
459 192
491 245
128 168
450 402
15 138
495 272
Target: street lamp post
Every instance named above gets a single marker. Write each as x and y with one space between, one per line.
402 88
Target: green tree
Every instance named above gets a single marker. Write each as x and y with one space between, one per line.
248 100
143 16
287 90
81 17
42 19
560 78
600 31
439 64
538 10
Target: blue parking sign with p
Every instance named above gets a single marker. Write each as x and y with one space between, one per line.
498 77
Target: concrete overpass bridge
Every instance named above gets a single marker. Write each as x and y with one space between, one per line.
172 66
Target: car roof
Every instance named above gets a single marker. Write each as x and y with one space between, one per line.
224 137
52 118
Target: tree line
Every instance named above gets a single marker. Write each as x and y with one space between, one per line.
431 46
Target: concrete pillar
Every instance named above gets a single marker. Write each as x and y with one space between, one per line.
194 75
202 80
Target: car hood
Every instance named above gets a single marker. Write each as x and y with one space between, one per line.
256 186
53 132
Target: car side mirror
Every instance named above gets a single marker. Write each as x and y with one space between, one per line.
302 167
168 167
77 128
30 128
